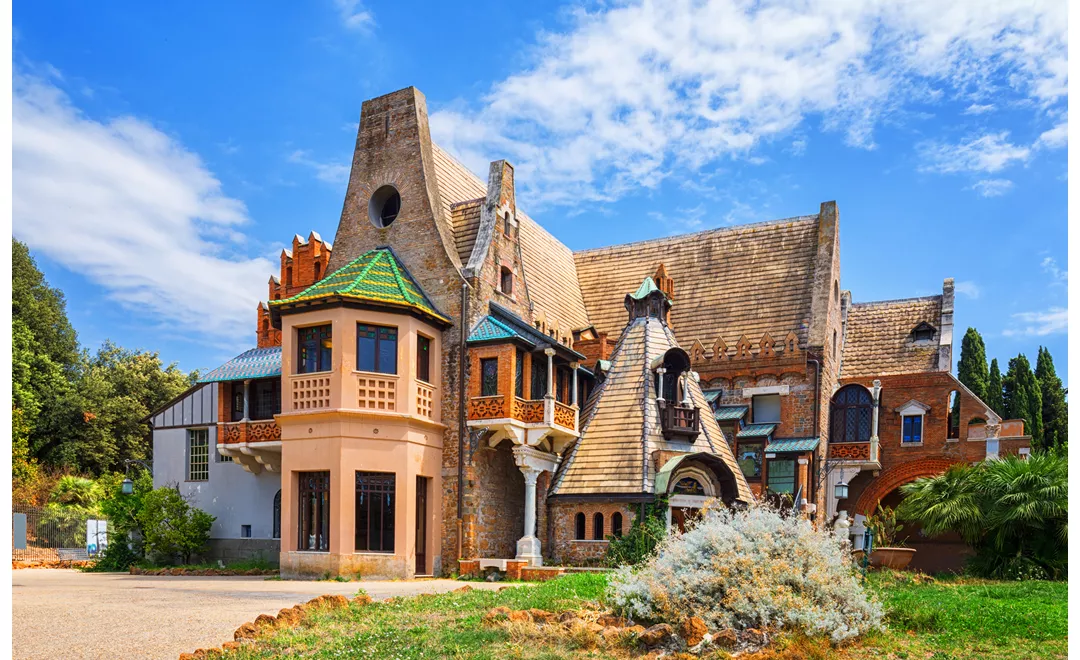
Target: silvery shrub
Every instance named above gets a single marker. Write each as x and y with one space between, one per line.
751 568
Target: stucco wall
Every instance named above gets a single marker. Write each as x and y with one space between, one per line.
233 496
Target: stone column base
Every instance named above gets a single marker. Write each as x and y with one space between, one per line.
528 549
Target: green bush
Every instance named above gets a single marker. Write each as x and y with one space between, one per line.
118 555
171 527
1012 511
637 544
71 490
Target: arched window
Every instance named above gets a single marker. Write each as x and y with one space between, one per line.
616 524
954 414
598 526
688 486
579 526
851 414
277 515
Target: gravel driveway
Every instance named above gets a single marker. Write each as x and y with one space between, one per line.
61 613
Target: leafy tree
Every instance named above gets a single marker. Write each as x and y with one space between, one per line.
971 370
1012 511
1055 412
23 467
41 308
171 526
71 490
1023 400
995 389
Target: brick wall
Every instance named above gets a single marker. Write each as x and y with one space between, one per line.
565 548
305 264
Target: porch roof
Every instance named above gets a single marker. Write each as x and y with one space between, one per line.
791 445
253 363
730 413
756 431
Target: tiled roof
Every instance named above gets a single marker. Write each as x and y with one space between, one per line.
756 431
782 445
489 328
712 395
730 413
748 279
375 277
255 363
620 425
550 272
877 338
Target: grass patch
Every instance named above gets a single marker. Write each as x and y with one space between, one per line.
943 619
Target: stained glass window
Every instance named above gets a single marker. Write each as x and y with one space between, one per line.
423 358
782 477
375 512
750 456
315 349
851 415
489 377
376 349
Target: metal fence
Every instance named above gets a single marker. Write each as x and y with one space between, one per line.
38 533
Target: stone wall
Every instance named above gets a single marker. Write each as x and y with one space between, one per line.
499 491
565 548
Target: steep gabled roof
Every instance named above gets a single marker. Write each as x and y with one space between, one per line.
620 425
749 279
878 342
376 277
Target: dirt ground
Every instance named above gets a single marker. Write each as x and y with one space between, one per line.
61 613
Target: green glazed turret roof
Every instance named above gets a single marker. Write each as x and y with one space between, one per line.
647 287
375 277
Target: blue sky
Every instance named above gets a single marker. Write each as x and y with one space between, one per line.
163 155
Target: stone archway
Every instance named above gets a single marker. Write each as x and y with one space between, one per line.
896 476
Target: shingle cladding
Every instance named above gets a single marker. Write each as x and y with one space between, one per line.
254 363
620 427
375 277
748 280
878 339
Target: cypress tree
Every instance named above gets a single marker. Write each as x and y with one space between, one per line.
971 370
1055 413
994 387
1023 400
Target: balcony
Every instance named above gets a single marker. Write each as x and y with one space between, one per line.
679 423
863 454
360 390
254 445
530 421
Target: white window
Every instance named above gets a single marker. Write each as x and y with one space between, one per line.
912 418
198 455
766 409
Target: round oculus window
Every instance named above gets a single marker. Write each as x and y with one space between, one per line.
384 206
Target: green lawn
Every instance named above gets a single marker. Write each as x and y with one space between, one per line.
941 620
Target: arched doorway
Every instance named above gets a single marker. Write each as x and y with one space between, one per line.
692 482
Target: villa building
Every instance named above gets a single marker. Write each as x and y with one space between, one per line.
449 387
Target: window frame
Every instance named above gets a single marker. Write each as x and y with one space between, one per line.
380 488
203 435
794 476
741 446
377 355
579 526
317 485
506 281
754 408
519 373
839 413
484 364
598 526
904 442
322 353
616 524
423 358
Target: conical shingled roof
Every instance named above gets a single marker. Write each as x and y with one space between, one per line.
375 277
620 426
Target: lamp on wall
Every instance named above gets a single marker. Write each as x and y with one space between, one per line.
840 490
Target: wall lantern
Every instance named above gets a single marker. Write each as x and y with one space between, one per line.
841 491
127 487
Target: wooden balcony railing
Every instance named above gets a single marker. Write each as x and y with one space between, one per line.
679 422
527 411
266 430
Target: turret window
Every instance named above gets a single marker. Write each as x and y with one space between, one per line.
489 377
376 349
315 349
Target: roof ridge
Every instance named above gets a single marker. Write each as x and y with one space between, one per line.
896 300
363 272
715 230
401 282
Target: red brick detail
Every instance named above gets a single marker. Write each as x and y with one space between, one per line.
467 567
541 573
304 266
594 350
897 476
514 569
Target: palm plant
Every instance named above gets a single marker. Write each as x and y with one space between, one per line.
1013 511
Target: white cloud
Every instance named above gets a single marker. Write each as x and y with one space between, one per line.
632 93
328 172
978 108
967 288
987 153
992 187
1055 138
1051 268
1052 321
135 212
354 15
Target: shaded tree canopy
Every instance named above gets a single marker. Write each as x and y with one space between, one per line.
971 370
1023 400
1055 412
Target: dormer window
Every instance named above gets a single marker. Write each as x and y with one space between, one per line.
923 332
506 280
